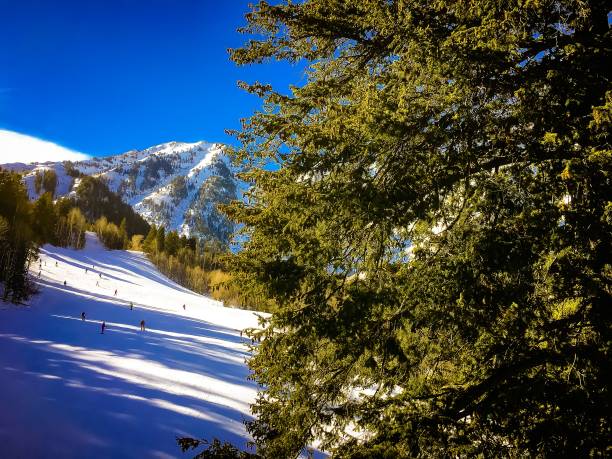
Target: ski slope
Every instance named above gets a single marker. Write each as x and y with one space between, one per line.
68 391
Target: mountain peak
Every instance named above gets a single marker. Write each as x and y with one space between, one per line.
174 184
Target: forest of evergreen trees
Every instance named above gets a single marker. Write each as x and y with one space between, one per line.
95 201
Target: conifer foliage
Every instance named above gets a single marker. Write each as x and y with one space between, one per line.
437 234
17 240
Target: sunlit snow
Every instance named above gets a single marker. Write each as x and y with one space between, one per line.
69 391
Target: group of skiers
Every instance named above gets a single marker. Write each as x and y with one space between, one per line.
103 325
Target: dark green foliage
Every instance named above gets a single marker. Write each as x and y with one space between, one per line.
172 243
17 240
95 201
71 170
214 450
45 181
160 238
150 242
437 230
38 182
199 265
45 219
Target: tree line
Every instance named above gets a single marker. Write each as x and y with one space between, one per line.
199 265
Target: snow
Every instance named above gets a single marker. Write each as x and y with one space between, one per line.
66 390
64 181
195 161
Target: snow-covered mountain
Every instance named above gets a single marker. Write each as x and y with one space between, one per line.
176 184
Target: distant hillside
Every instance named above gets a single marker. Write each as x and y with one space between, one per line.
177 185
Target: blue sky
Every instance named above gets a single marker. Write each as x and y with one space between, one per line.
106 76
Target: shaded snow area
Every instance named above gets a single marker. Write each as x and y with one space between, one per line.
69 391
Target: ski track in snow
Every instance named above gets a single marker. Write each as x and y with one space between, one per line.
68 391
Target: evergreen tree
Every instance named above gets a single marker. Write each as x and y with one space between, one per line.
436 233
123 232
160 239
17 247
44 219
172 243
149 244
49 181
95 200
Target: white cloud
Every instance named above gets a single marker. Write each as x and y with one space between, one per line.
21 148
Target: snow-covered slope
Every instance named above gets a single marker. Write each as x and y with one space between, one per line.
176 184
68 391
64 185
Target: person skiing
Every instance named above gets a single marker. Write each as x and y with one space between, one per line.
97 283
39 273
142 325
100 275
183 307
115 292
103 327
85 270
131 306
82 316
64 283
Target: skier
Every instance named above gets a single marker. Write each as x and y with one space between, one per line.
64 283
85 270
100 275
183 307
97 283
82 316
142 325
115 292
39 273
56 264
131 306
103 327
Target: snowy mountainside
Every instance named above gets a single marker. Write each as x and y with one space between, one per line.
71 391
175 184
